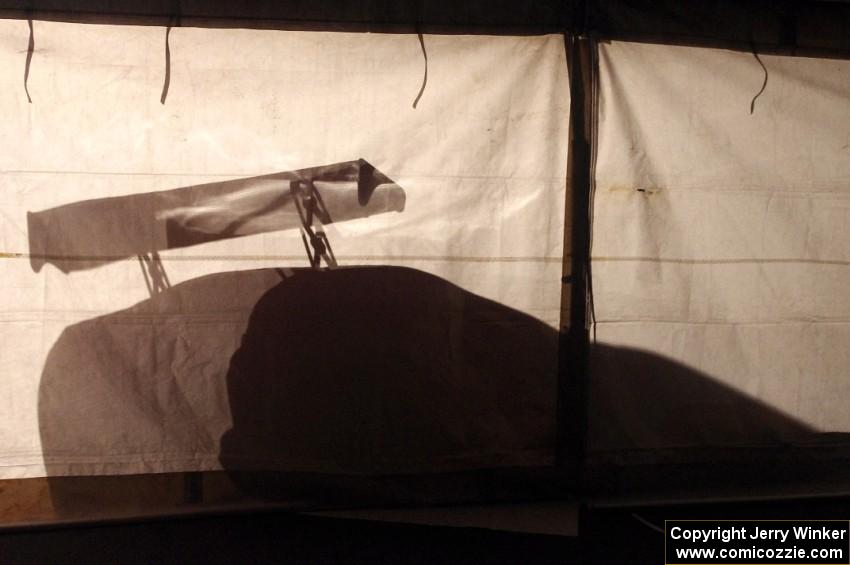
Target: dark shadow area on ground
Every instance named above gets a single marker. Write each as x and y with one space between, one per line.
279 538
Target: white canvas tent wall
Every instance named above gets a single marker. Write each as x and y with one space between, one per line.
720 241
643 155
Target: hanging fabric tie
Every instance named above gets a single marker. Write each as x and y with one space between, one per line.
425 76
167 81
763 84
30 49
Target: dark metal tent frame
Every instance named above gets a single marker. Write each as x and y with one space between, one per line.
798 27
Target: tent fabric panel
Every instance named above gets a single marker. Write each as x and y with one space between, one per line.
720 253
481 160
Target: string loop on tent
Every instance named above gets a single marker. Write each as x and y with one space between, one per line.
425 76
167 81
30 49
763 84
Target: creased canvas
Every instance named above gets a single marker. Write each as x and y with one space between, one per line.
721 253
133 274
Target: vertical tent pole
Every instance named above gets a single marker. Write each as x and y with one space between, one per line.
574 342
